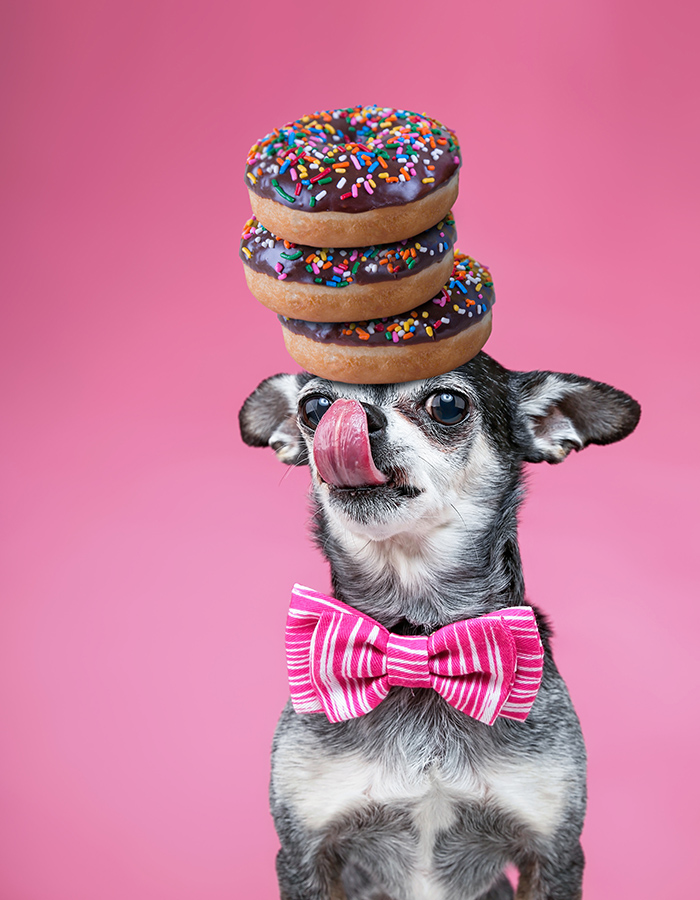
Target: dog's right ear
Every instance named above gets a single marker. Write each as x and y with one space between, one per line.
268 418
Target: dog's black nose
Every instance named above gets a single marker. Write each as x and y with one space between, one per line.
376 420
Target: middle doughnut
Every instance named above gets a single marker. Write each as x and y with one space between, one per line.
337 285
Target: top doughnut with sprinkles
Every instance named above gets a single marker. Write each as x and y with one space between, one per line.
351 160
365 161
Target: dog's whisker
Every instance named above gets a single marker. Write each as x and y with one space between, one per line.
363 547
461 518
285 474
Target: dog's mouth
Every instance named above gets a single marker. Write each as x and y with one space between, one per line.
370 505
395 487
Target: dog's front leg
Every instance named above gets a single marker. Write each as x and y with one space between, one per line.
556 875
305 803
308 868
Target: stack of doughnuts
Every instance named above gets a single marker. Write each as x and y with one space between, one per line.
352 241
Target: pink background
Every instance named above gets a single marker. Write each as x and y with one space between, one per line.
142 541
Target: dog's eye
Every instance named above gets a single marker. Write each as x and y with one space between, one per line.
313 408
448 409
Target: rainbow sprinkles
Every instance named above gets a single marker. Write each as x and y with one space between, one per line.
466 298
336 267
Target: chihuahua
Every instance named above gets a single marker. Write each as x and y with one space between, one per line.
415 505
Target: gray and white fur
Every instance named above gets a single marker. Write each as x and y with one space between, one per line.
415 800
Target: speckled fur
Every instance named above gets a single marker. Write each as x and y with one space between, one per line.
416 801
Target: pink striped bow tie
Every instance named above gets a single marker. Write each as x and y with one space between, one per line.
343 663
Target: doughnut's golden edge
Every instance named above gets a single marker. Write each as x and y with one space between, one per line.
376 226
387 364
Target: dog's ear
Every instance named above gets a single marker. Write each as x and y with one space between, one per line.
560 413
268 418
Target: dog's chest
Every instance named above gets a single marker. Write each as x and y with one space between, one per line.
324 787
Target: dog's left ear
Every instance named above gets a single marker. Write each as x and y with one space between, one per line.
268 418
560 413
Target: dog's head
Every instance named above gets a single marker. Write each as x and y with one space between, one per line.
407 458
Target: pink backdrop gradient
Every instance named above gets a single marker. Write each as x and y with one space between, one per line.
142 541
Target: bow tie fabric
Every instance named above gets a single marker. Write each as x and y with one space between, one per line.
343 663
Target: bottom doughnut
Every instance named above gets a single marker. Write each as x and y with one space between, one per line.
387 364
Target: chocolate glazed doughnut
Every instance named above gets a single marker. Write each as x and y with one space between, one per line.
431 339
331 284
354 177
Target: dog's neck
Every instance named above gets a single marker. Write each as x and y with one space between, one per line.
422 579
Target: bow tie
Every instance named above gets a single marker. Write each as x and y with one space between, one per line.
343 663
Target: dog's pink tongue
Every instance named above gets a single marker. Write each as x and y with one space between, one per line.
342 451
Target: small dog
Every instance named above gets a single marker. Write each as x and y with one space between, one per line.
416 800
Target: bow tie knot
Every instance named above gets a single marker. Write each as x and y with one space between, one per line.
407 662
344 663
